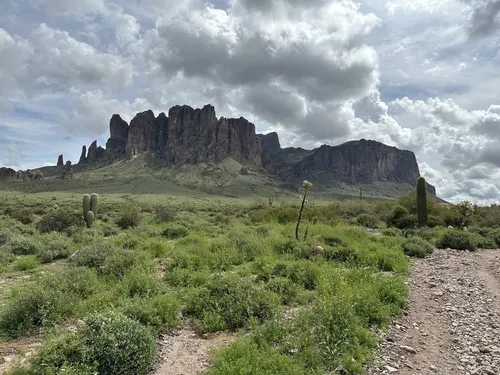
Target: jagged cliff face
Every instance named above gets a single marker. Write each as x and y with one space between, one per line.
361 161
191 136
186 136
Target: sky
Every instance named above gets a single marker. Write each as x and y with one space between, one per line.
420 75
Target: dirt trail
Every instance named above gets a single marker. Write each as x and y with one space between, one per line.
452 324
186 353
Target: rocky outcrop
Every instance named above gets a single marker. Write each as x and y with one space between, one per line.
60 161
362 161
83 156
6 173
94 153
118 134
68 171
143 134
193 136
270 143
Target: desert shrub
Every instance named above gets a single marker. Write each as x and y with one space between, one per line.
174 232
303 273
30 306
4 237
59 221
285 288
165 214
62 355
338 250
129 218
118 344
110 231
160 312
229 303
45 301
453 218
401 218
141 281
435 221
246 357
417 247
27 262
456 239
105 259
24 246
367 220
351 209
6 256
392 232
109 344
23 215
55 247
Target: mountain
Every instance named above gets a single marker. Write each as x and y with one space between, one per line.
196 137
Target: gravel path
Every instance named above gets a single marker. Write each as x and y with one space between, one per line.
186 353
452 324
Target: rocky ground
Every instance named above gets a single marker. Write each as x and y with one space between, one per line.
452 324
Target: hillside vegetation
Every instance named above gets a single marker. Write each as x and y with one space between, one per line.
99 297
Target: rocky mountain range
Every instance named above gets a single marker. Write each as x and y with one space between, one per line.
196 136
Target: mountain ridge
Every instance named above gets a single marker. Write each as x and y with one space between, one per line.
189 136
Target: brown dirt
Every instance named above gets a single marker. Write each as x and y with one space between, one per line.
452 324
17 352
184 352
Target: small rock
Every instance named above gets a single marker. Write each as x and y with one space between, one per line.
390 369
408 349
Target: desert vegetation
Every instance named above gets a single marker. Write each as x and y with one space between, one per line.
99 288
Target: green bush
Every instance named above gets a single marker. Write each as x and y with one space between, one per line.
27 262
23 215
105 259
392 232
45 301
56 247
435 221
24 246
118 344
160 312
285 288
59 221
174 232
165 214
246 357
303 273
401 218
417 247
30 306
229 303
129 218
456 239
108 344
367 220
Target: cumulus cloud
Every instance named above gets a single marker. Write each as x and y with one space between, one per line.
52 61
290 63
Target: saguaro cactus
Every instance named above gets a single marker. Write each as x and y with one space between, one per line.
86 205
422 202
94 202
90 208
89 219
